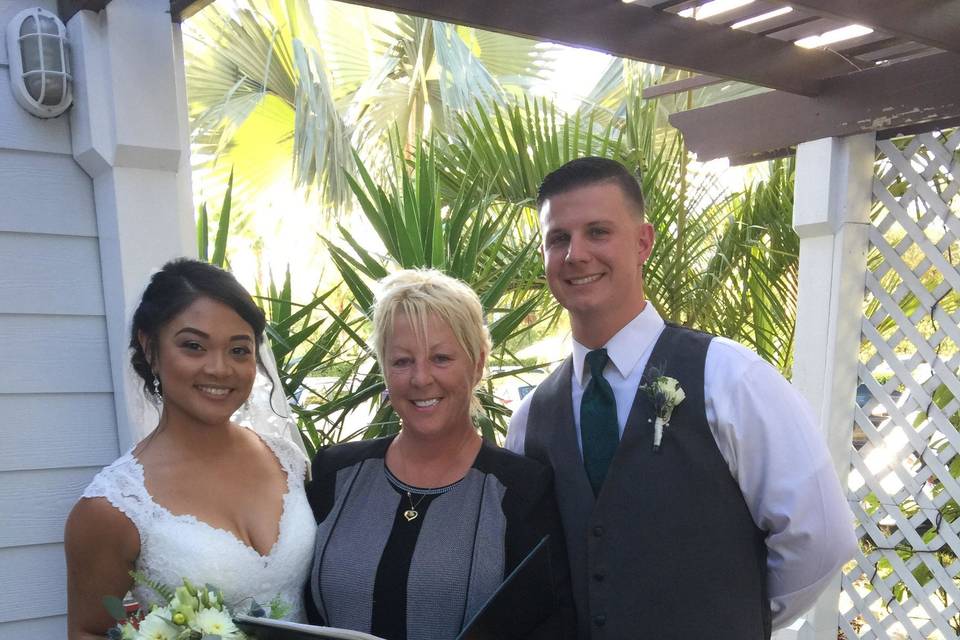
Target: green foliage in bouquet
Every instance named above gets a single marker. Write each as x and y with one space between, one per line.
187 612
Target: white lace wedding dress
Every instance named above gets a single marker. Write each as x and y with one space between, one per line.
173 547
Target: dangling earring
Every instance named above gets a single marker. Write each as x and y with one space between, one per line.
156 387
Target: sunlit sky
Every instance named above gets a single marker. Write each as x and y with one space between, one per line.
576 73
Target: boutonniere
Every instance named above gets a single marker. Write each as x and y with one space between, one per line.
665 394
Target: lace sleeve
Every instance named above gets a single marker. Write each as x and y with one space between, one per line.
291 458
122 485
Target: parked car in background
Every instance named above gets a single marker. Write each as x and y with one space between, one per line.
511 389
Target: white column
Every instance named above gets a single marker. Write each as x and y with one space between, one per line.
131 134
801 629
831 214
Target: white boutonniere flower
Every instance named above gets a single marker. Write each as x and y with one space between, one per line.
665 394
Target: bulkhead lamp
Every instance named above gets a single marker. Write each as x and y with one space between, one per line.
39 58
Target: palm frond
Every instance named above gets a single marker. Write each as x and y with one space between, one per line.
322 151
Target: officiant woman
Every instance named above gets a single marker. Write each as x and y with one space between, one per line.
417 530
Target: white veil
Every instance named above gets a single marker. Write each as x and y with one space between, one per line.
266 410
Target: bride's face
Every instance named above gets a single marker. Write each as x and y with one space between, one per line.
206 361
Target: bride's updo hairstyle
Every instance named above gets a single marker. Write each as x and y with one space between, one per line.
174 288
417 293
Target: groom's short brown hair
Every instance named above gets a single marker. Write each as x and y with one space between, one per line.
588 171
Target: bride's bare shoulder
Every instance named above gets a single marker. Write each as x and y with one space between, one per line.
101 547
95 522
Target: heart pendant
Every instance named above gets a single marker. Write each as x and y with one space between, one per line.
410 515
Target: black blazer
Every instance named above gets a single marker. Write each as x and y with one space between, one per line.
541 604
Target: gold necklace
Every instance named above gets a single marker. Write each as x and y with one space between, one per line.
412 513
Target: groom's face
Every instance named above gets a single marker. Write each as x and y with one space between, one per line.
594 245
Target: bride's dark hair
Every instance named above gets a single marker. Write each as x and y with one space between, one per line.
174 288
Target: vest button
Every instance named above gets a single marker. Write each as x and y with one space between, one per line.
599 619
598 576
597 531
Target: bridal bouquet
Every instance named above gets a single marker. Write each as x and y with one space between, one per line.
186 613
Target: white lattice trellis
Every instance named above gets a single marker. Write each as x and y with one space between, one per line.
905 462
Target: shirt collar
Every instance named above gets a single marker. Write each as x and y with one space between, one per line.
626 346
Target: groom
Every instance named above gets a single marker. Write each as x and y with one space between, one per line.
736 521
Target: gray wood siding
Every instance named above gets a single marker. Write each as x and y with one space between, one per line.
54 275
58 422
33 583
40 519
79 428
52 627
45 193
54 354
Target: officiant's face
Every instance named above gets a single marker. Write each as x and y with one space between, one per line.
206 362
430 377
594 247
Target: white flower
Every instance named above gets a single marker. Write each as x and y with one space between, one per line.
157 626
218 623
665 394
672 393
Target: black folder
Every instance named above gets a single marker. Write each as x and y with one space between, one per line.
517 597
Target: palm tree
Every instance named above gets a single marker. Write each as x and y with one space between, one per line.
274 89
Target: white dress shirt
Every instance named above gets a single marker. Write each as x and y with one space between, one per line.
769 439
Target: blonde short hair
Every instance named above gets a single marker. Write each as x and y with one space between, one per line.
418 293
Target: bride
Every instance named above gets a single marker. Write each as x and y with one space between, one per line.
200 497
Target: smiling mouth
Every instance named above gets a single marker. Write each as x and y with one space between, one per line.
585 279
217 392
425 404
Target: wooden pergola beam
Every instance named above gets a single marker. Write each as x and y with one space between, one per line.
679 86
921 91
66 9
935 23
634 31
180 10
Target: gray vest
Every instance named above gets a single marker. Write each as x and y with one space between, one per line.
668 550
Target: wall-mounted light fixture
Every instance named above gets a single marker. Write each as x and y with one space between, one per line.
39 57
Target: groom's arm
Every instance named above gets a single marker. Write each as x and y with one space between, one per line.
773 447
517 429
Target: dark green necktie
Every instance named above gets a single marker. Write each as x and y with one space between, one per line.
599 431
